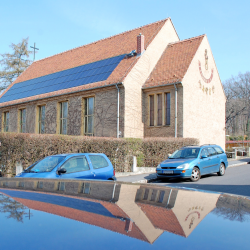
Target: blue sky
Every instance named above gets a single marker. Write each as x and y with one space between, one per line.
56 26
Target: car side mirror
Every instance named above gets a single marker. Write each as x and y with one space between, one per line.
203 156
62 171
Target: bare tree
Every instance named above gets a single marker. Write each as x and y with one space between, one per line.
13 208
237 91
233 208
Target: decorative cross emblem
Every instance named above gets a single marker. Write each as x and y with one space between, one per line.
206 60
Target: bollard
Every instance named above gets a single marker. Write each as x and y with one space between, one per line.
235 154
135 164
19 168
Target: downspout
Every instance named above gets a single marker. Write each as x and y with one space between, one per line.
118 110
175 108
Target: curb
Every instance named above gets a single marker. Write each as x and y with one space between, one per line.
237 164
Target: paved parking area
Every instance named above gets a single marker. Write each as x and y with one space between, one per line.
235 181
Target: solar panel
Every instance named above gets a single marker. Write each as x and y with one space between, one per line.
81 75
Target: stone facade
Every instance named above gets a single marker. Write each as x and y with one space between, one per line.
105 116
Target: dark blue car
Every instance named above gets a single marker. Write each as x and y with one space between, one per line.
66 166
193 161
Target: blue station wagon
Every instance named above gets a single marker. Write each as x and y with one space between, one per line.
67 166
193 161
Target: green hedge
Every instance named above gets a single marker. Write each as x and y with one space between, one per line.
28 148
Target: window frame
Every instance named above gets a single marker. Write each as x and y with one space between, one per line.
159 109
167 109
39 121
21 118
159 112
151 110
86 116
63 119
6 122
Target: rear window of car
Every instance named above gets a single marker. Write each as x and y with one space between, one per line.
98 161
218 150
211 151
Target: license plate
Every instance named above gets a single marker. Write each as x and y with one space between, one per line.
167 172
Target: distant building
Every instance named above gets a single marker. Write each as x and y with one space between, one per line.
141 83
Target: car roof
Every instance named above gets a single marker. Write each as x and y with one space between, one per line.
77 154
200 146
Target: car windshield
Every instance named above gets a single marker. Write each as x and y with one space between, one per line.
185 153
47 164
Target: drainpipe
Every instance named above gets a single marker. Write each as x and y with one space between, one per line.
118 109
175 125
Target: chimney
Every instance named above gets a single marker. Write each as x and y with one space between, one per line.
140 44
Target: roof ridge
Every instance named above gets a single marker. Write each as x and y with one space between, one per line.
104 39
186 40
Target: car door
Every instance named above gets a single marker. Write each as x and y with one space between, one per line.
215 160
77 167
204 161
101 167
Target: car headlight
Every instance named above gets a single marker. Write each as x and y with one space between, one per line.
159 166
183 166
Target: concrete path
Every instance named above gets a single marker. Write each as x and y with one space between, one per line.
148 177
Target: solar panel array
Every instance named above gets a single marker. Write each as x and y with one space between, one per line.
81 75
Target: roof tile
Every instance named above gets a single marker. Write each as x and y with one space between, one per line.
174 62
113 46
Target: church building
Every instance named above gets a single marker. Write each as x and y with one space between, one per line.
141 83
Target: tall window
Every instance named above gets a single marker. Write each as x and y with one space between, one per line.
63 117
167 108
22 121
159 109
6 116
151 110
89 104
41 119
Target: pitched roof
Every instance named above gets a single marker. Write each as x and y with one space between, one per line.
113 224
174 62
162 218
120 44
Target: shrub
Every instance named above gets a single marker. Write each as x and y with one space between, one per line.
28 148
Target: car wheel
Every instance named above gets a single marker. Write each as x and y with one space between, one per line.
196 175
222 170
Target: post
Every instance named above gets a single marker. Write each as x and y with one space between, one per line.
134 164
118 112
19 168
235 153
175 125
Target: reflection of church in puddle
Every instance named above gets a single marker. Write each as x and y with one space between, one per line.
141 212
